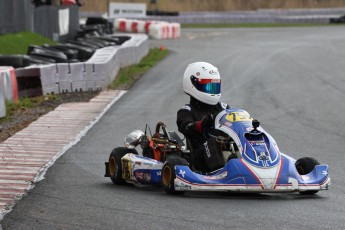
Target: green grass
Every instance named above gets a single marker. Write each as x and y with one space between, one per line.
18 43
127 76
25 103
253 25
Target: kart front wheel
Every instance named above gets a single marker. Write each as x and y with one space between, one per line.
169 175
304 166
115 164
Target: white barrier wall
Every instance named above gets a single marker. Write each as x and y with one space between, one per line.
95 74
8 88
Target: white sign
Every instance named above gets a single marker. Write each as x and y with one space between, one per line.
130 10
63 21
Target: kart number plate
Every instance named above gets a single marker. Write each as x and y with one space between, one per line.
238 116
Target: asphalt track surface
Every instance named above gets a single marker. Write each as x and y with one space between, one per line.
291 79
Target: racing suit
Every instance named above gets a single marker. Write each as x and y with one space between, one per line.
190 122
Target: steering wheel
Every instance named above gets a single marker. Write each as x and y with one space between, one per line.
160 125
213 133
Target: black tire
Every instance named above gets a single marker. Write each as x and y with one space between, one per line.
169 175
37 60
58 56
121 39
70 53
15 61
304 166
115 164
85 44
84 53
111 39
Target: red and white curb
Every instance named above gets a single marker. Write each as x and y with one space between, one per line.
26 156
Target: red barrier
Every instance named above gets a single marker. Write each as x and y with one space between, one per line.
122 26
147 27
156 29
134 27
9 83
14 86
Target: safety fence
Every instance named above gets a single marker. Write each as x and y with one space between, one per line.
321 16
8 87
16 15
155 29
59 23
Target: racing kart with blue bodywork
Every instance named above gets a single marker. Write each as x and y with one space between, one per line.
253 161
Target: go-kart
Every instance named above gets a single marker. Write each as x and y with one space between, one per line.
253 161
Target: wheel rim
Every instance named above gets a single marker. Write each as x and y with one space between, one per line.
112 166
166 175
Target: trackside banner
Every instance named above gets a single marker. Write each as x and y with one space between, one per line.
127 10
63 22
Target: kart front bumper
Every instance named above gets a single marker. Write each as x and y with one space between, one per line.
294 186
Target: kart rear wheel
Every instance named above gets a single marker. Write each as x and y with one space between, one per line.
169 175
304 166
115 164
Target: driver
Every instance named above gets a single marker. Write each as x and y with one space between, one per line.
201 81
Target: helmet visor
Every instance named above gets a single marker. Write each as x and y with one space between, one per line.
210 86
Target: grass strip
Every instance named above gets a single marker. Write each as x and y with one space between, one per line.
127 76
25 104
17 43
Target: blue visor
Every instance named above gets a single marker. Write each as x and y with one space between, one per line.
210 86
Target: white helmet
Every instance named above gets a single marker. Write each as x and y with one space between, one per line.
201 80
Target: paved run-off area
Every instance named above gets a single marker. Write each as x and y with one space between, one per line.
25 157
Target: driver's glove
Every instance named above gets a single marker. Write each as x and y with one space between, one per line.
206 123
200 126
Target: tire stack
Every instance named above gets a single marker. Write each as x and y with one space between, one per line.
95 34
87 63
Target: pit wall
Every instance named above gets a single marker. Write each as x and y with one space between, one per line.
95 74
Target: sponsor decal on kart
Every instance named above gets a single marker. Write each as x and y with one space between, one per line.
143 176
217 177
147 164
126 169
179 185
182 172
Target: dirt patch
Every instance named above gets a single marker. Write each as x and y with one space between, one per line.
22 117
